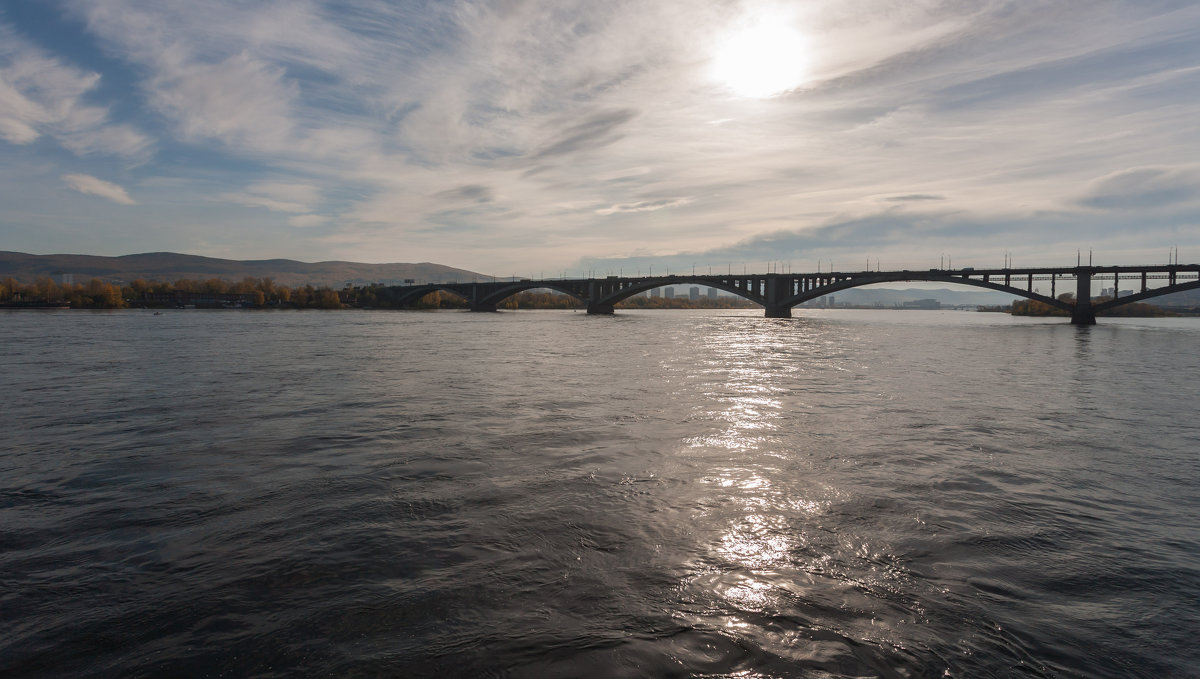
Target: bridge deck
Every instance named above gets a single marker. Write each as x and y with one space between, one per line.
779 292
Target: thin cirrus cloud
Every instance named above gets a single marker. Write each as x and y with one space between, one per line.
277 196
644 206
40 95
1146 188
501 136
92 186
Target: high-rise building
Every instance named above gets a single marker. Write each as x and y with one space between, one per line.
668 292
694 294
712 293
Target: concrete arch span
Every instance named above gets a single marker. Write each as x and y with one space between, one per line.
410 296
492 299
858 281
708 281
1148 294
479 296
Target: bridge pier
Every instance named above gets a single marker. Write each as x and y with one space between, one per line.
483 307
778 289
596 308
1083 314
779 312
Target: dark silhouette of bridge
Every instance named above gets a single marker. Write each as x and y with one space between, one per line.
779 292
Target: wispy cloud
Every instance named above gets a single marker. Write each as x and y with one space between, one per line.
908 198
644 206
307 221
470 193
98 187
1145 188
510 134
277 196
40 95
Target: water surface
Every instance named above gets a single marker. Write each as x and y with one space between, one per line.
533 494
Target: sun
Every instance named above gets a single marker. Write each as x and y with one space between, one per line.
761 60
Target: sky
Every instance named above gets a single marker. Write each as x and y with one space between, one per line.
571 138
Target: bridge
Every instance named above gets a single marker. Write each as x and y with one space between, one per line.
779 292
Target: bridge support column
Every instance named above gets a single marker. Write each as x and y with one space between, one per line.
597 308
1083 314
483 307
776 293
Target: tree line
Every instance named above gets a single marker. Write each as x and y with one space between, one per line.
1032 307
99 294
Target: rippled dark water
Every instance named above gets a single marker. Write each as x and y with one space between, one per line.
541 494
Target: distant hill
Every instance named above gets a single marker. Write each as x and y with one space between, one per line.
888 297
1188 299
170 266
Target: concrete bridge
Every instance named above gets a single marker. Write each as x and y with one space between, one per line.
779 292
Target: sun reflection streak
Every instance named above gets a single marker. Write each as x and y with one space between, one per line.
754 545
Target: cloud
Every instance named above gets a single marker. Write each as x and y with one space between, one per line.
16 131
913 197
241 100
644 206
910 239
470 193
40 95
598 130
307 221
1145 188
90 185
277 196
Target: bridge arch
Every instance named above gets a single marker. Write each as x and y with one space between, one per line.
495 297
411 296
1148 294
857 281
479 296
652 284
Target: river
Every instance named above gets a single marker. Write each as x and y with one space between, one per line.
551 494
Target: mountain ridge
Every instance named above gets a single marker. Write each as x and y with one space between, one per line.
172 266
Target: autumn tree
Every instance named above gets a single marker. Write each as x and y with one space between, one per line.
327 299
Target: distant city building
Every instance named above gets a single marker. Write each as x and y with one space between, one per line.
199 299
669 293
712 293
832 301
694 294
923 304
654 292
